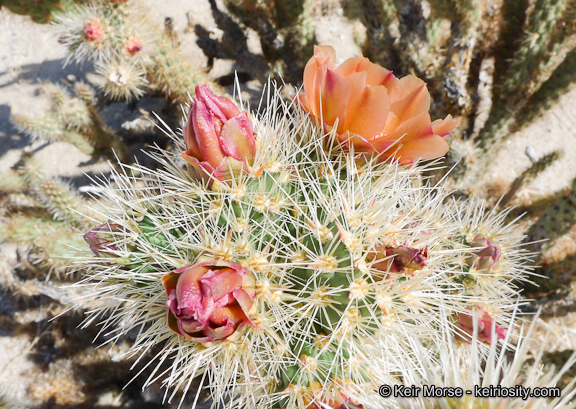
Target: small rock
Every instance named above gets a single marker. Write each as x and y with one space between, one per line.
531 153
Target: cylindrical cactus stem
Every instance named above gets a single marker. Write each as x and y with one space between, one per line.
544 47
56 93
172 73
58 197
50 128
546 43
85 92
42 127
550 92
52 244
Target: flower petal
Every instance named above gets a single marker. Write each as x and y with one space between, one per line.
360 144
444 126
173 323
367 108
221 107
170 281
335 93
375 74
188 290
190 326
248 282
237 139
221 283
409 97
415 127
324 57
227 168
244 300
205 132
192 148
228 314
301 98
219 332
424 148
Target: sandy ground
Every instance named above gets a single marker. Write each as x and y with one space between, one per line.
554 130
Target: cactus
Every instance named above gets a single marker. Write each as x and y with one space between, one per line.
546 43
172 73
64 204
72 119
131 53
32 226
523 373
44 253
39 11
286 35
300 273
546 96
60 200
11 182
494 64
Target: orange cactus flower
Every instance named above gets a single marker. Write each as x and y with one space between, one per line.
373 110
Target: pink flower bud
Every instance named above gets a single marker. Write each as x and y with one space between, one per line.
93 31
133 45
484 322
218 136
487 257
400 259
97 238
209 301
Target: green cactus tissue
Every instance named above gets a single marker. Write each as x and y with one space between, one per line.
297 258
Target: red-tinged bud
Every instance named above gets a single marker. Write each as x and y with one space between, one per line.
487 257
93 31
99 238
218 136
209 301
399 259
484 323
133 45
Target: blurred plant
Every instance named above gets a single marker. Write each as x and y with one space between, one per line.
286 33
47 225
129 51
39 11
73 119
